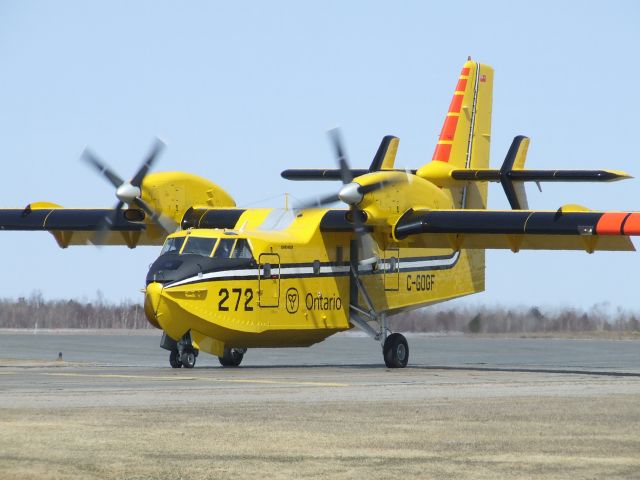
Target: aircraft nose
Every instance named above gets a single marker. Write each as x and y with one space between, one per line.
151 302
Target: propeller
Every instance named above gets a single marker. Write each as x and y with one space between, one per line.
129 193
351 192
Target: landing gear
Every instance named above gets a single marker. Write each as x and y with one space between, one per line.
188 359
174 359
182 352
395 351
232 357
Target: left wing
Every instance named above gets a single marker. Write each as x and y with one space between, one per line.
519 229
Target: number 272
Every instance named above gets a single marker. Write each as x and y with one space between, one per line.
237 293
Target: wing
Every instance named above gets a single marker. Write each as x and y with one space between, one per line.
71 226
519 230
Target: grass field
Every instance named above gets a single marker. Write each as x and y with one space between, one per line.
591 437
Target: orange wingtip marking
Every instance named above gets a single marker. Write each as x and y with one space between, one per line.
465 71
461 86
449 128
442 152
611 223
456 104
632 225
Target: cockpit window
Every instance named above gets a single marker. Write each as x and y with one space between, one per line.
224 248
241 249
199 246
172 245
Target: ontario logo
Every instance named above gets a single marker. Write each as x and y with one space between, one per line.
292 300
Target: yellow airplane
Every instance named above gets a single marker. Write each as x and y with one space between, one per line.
228 278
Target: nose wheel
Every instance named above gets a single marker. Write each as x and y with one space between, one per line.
186 359
395 351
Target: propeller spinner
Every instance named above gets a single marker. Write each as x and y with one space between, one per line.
351 193
129 193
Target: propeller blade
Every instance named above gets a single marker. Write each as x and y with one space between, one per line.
167 224
345 171
318 202
90 158
98 239
366 243
156 150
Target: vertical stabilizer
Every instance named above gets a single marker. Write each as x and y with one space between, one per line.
515 159
466 133
386 155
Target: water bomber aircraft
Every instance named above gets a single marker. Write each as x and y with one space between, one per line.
229 279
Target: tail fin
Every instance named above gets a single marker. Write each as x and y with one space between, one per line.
386 155
466 133
514 189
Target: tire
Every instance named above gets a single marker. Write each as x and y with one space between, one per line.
396 351
173 359
188 359
232 357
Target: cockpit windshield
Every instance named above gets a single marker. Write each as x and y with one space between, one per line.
172 245
199 246
207 247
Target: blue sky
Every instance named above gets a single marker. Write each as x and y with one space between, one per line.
243 90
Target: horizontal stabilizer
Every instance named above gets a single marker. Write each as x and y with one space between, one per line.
528 175
384 159
512 174
308 174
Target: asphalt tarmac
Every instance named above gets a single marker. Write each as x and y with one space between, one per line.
129 368
464 408
122 348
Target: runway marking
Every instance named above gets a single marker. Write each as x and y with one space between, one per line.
215 380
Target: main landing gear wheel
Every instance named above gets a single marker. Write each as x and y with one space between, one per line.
396 351
174 359
188 359
232 357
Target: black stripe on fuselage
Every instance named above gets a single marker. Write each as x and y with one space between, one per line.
405 266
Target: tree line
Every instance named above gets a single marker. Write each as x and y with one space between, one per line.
516 320
35 312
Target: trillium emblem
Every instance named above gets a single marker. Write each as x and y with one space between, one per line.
292 300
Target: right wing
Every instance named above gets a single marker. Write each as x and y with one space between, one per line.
72 226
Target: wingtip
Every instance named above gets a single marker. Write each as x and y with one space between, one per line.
619 175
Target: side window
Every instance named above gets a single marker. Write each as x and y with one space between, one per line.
241 249
172 245
224 248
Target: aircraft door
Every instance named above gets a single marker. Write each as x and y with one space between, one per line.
392 269
269 280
